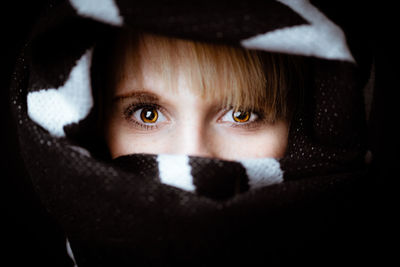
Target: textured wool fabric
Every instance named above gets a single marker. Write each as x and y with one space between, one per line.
162 210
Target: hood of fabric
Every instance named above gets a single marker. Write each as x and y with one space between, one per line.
152 209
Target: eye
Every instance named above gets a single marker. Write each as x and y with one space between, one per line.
239 116
148 115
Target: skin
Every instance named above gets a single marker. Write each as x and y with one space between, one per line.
187 123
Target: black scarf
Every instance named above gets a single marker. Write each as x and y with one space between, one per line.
167 210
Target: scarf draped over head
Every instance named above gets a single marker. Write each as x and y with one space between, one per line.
172 209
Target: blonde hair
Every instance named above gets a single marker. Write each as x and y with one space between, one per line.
243 79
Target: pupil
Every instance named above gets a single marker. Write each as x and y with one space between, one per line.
149 115
241 116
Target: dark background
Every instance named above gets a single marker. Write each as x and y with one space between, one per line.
30 238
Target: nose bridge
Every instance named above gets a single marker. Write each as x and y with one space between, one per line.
195 139
193 133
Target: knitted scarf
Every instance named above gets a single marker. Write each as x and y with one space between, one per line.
161 210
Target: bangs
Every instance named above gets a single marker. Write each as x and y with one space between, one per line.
239 78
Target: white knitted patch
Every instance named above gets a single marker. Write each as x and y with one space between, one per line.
102 10
175 170
56 107
70 253
320 38
262 172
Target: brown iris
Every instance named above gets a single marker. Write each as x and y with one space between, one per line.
241 116
149 115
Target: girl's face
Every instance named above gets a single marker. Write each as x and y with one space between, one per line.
147 117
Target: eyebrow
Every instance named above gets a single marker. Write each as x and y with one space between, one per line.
139 94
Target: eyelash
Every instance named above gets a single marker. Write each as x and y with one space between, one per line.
132 108
246 125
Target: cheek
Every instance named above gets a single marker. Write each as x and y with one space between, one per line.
118 143
252 147
267 143
122 141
